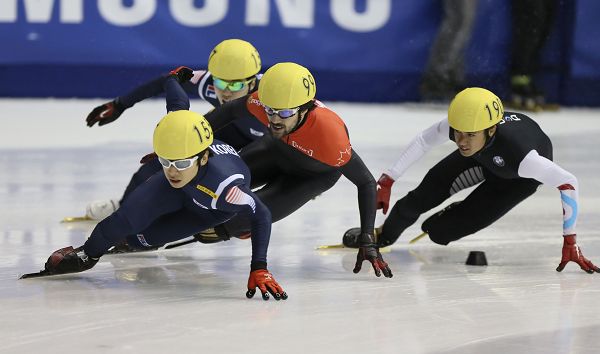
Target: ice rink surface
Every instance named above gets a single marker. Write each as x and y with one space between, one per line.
191 299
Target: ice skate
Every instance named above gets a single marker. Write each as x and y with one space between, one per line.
63 261
350 239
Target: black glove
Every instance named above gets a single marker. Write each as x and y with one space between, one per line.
105 113
368 250
182 74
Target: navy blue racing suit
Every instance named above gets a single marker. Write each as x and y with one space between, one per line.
156 213
238 134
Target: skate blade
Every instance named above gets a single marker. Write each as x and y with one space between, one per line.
340 246
327 247
179 244
76 219
39 274
414 240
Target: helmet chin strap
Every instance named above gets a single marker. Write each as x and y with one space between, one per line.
489 138
302 113
301 117
204 159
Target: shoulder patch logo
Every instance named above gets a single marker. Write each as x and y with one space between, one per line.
237 196
498 161
307 151
510 118
344 156
143 241
210 92
207 191
256 102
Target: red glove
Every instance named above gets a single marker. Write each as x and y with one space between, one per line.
572 252
368 250
384 189
182 74
264 280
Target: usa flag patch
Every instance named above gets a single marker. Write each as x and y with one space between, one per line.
237 196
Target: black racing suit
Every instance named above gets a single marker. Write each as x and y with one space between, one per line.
288 176
495 167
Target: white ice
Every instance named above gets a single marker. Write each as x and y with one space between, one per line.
191 299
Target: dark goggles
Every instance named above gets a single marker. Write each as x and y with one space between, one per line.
232 86
282 113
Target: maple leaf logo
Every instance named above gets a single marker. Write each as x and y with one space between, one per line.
344 155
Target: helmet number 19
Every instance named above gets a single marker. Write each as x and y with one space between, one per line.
496 107
308 82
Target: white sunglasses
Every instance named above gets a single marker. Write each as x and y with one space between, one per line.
180 165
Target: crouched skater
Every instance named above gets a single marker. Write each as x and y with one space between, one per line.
203 183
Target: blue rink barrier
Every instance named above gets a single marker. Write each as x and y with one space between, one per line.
358 50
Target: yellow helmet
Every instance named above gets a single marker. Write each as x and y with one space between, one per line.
234 59
474 109
286 85
182 134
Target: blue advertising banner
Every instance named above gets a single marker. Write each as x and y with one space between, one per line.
361 50
582 85
350 35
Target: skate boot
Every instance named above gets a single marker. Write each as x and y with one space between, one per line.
100 209
217 234
208 236
69 260
351 238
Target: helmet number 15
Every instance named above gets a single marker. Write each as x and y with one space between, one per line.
205 130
